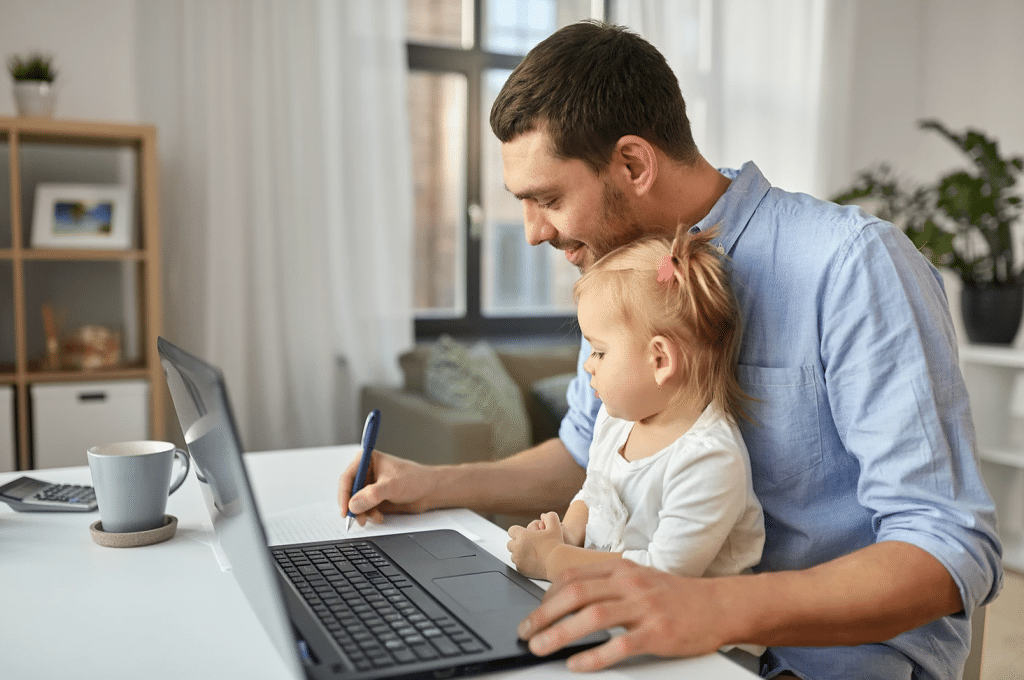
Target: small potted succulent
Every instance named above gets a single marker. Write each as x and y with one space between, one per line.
34 93
964 221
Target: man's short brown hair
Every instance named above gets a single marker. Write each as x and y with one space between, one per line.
588 84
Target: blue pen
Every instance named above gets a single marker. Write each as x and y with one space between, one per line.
370 428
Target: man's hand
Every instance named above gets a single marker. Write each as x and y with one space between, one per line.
663 614
865 597
393 485
531 546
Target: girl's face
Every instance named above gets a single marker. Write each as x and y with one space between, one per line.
621 365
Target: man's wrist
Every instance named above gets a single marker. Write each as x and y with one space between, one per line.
741 606
444 487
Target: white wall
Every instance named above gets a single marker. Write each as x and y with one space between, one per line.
959 62
93 42
956 61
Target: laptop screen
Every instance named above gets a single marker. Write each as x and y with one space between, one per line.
201 403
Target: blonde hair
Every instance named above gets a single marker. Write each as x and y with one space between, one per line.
680 290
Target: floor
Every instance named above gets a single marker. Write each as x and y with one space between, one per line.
1003 652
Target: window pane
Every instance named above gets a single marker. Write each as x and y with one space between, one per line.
517 279
515 26
438 109
435 22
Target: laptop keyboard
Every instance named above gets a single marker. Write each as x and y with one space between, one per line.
379 617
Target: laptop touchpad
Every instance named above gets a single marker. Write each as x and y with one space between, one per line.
444 545
486 592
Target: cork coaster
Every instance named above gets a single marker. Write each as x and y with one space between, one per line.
134 539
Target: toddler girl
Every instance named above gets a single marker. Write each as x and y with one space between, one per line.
668 482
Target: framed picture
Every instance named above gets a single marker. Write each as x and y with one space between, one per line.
82 216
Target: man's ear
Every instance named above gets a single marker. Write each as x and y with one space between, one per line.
665 359
638 161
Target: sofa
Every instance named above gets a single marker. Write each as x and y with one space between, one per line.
419 427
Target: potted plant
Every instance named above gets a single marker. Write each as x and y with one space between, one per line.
34 94
963 221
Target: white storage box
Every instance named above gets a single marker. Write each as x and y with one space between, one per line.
8 449
68 418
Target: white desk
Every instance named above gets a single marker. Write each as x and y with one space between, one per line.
167 610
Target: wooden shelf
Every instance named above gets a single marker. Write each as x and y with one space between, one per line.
993 355
63 131
1003 456
67 254
995 382
19 137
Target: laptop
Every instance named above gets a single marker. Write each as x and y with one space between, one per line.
427 604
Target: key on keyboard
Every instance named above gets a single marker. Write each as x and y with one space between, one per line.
378 617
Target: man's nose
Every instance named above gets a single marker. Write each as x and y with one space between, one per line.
538 229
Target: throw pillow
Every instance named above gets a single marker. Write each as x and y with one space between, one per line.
475 379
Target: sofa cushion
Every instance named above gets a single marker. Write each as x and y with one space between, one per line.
474 378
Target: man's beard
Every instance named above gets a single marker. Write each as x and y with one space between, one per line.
615 230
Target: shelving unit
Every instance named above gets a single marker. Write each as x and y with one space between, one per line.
45 150
995 382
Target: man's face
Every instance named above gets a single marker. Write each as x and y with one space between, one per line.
565 203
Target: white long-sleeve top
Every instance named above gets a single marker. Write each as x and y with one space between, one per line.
689 509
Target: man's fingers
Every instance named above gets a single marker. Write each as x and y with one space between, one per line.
602 656
567 596
374 516
346 480
593 617
370 496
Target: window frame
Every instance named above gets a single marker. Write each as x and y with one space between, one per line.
473 63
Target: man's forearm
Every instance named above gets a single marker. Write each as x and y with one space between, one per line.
539 479
867 596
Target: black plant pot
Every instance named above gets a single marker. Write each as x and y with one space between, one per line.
992 314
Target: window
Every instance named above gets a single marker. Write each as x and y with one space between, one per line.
475 273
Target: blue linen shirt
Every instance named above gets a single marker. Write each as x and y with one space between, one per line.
863 427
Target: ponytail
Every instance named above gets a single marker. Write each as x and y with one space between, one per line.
705 308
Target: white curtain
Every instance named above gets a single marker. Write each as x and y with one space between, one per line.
286 199
763 81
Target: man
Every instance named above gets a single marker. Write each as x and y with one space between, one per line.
880 533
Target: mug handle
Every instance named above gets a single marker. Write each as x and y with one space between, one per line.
182 455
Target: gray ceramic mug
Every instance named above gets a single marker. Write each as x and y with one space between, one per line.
132 482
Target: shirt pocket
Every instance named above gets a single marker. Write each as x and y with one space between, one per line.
785 439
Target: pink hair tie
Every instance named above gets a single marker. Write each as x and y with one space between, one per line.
666 270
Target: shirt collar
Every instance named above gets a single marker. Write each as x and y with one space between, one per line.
735 208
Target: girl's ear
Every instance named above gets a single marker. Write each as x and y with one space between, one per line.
637 158
664 357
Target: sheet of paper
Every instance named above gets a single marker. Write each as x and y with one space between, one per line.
323 522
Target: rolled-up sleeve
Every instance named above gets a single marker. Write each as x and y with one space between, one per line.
901 408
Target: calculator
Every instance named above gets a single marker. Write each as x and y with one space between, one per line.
26 494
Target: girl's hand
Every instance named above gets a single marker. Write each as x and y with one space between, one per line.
531 546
